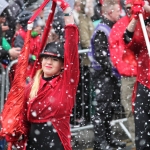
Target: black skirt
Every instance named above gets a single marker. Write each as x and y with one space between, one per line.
43 136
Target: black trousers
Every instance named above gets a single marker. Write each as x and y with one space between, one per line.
107 96
83 96
142 118
43 136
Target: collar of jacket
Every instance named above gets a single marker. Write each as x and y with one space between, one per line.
52 82
107 21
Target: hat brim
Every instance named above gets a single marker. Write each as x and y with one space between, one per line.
48 54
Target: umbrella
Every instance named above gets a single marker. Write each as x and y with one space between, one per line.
3 5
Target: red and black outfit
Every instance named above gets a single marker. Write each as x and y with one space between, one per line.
56 97
48 138
136 42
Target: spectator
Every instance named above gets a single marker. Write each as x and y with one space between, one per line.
76 10
12 11
86 27
85 23
126 65
105 79
11 53
137 44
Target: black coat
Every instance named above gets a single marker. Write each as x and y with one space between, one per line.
103 80
101 51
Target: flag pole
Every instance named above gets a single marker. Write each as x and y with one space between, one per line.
145 33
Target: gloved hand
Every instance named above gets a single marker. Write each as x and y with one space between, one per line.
137 8
62 4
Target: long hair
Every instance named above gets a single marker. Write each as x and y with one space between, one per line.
36 84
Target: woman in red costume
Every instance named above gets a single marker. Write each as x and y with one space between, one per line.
134 40
49 99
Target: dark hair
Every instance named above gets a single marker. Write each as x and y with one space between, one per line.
45 56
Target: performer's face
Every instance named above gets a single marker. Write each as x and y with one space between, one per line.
51 66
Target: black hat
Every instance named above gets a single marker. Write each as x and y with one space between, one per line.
24 17
54 49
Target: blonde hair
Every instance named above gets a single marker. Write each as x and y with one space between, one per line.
36 84
108 5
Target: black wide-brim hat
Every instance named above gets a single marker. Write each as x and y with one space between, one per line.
53 49
24 17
